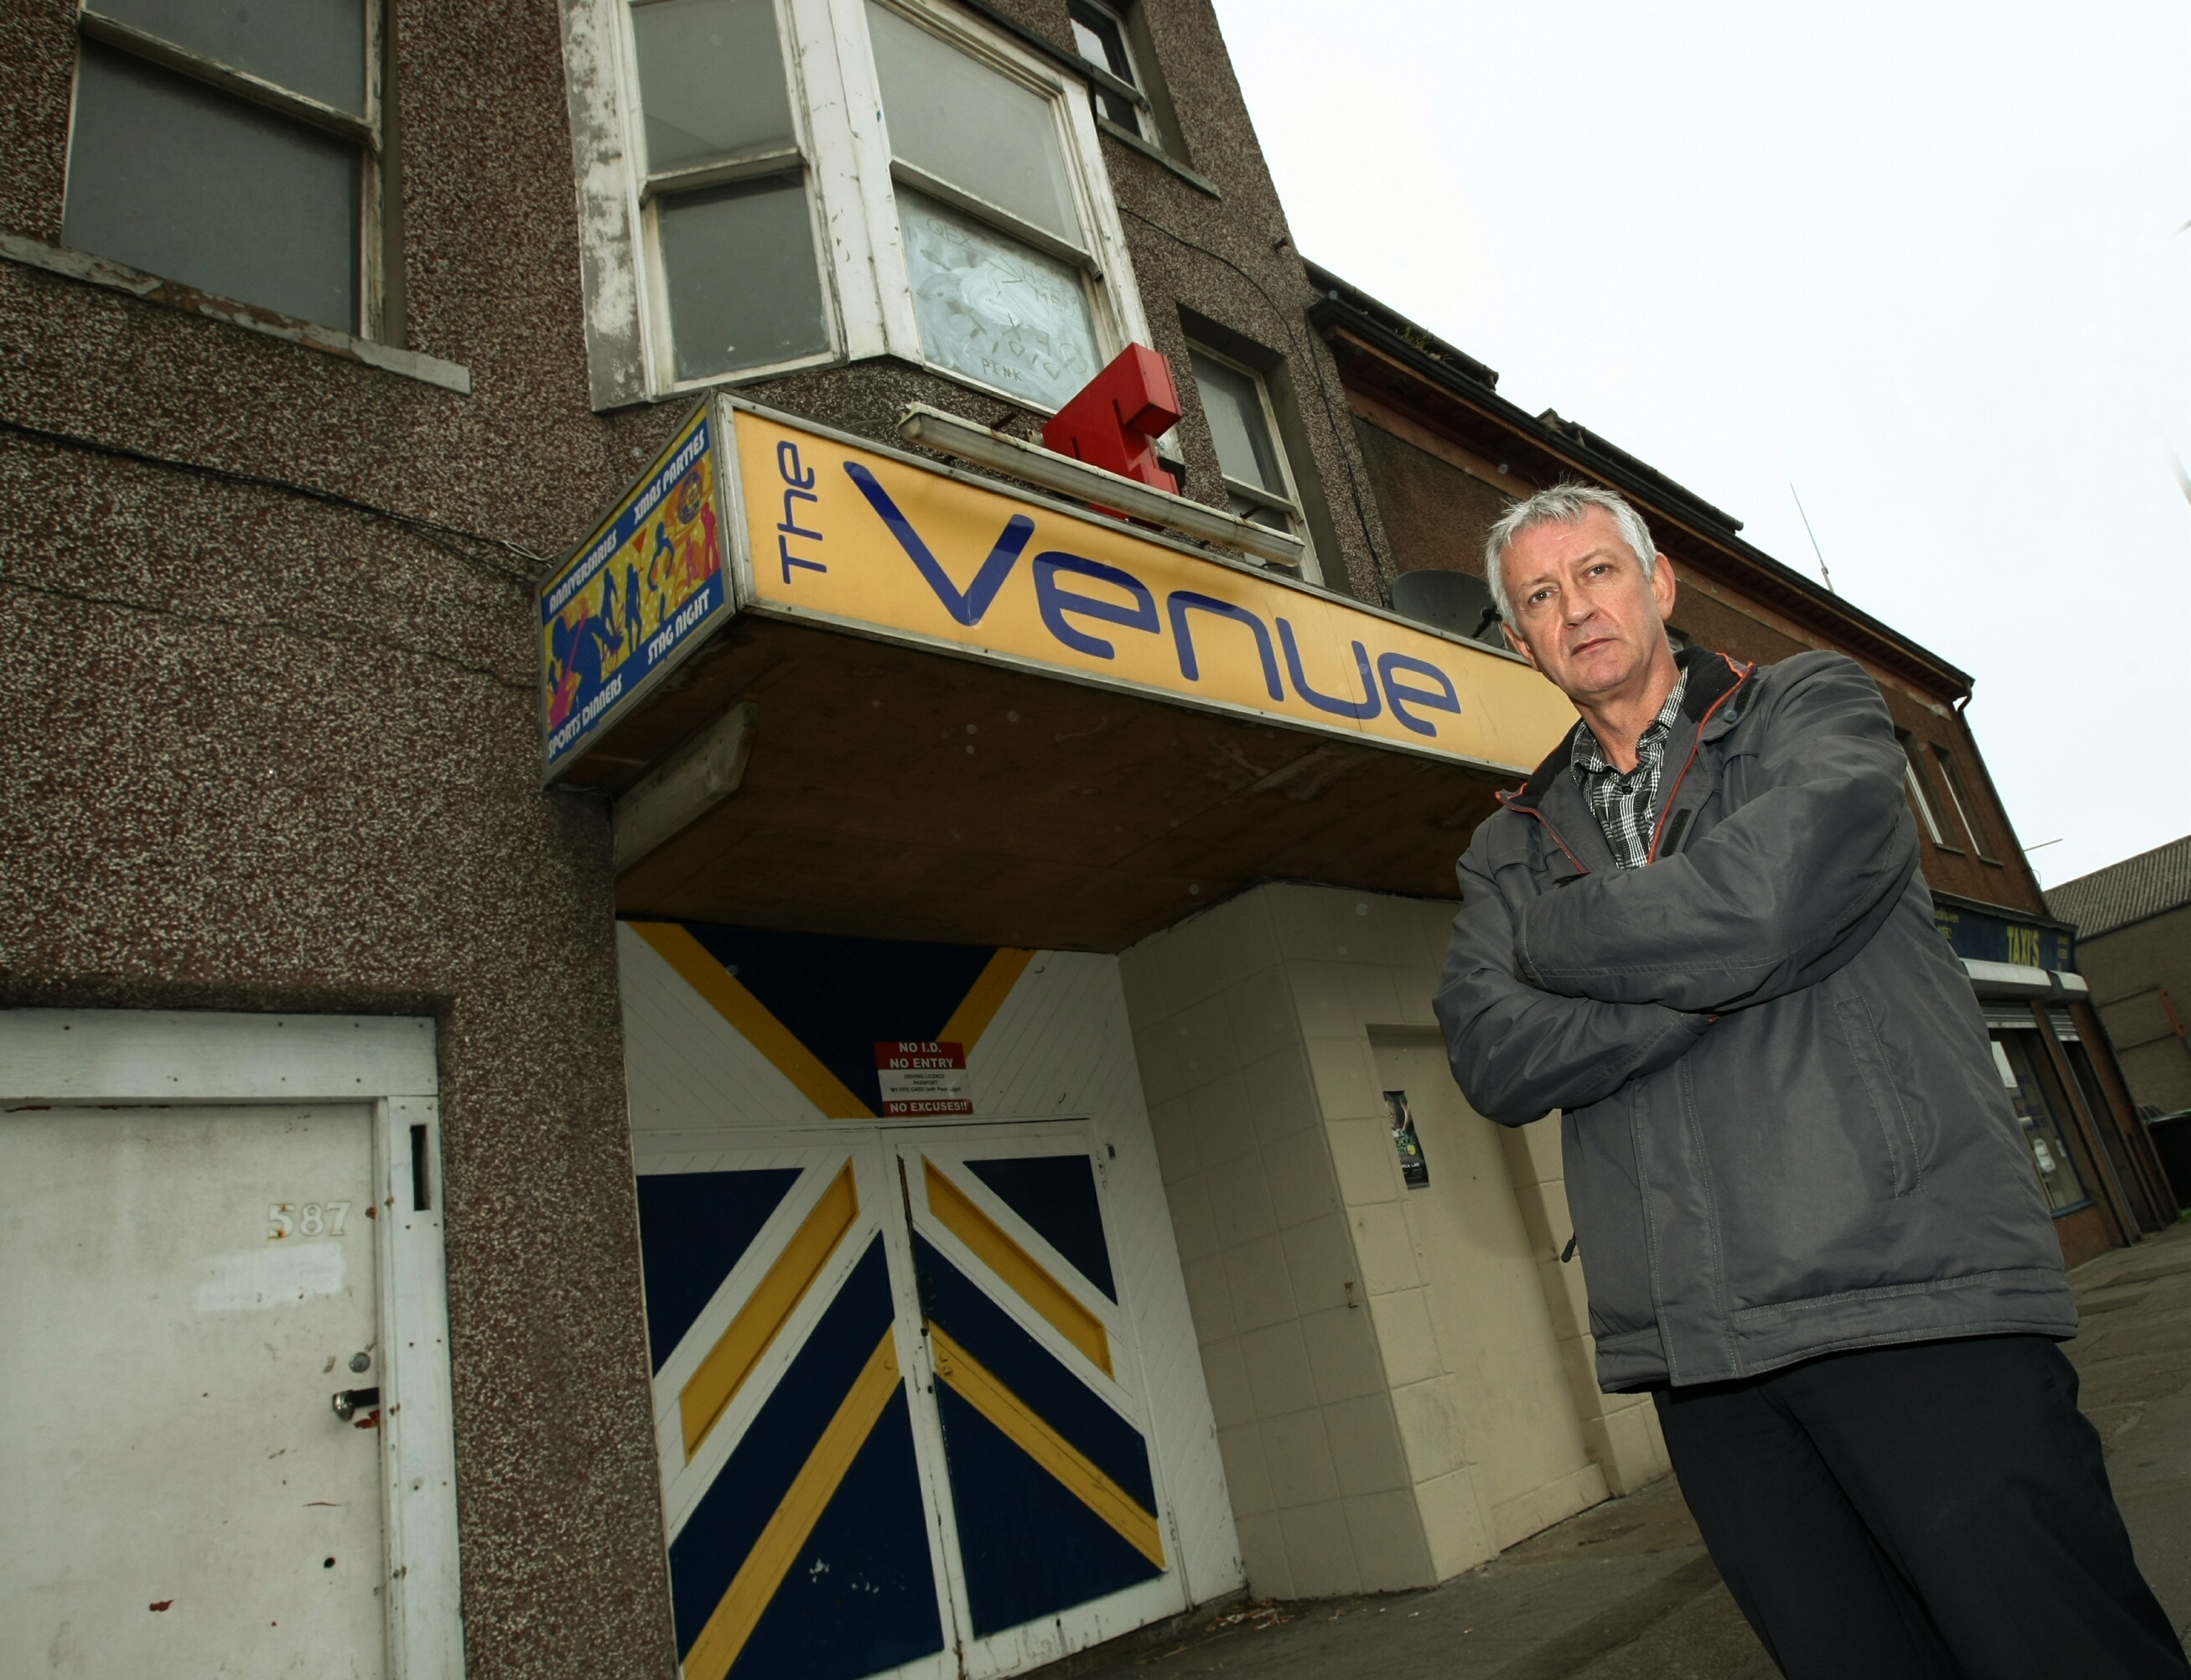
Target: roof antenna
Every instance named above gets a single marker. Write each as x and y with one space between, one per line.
1814 536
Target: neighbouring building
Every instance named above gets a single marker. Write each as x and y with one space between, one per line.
668 1003
1446 453
2133 922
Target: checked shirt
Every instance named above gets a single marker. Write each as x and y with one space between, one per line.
1627 805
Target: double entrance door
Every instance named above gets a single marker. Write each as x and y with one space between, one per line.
902 1424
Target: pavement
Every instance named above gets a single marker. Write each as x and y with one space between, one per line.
1626 1591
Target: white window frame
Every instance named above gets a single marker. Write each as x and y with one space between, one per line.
867 292
365 133
1290 506
87 1058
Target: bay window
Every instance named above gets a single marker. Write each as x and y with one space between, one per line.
772 184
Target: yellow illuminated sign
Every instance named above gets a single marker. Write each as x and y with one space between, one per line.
843 533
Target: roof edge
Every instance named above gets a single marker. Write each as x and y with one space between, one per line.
1656 491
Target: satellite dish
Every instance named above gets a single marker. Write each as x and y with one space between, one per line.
1458 602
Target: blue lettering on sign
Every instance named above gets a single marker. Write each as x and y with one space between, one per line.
1055 600
1400 694
1364 709
966 608
1181 602
798 484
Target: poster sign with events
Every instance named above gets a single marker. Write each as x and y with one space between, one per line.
644 587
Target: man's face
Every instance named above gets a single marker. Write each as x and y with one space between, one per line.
1585 613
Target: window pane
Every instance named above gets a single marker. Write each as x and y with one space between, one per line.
170 178
2014 1054
744 288
310 47
1100 40
971 126
993 309
1234 407
711 77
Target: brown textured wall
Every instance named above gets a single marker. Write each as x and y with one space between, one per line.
1435 516
262 752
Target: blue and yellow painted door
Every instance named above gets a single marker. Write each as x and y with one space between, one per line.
928 1400
896 1405
801 1539
1052 1483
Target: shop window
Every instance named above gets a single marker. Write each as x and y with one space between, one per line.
234 149
1959 796
1258 479
809 181
2039 1113
1913 783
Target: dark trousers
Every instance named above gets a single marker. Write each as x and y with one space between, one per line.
1936 1510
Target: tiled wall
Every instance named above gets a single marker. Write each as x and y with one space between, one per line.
1341 1418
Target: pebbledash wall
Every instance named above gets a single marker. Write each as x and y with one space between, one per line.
269 749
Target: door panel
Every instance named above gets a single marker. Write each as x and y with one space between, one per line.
801 1541
1487 1302
902 1433
181 1292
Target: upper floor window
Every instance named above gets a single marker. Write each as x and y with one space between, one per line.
234 148
1921 802
1258 480
1959 796
806 181
1100 35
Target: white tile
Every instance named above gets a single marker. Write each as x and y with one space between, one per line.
1263 1555
1171 1125
1384 1248
1191 1225
1224 1369
1371 996
1282 1094
1346 1084
1299 1173
1242 1448
1363 1157
1279 1381
1429 1427
1320 1263
1341 1345
1457 1522
1365 1446
1209 1298
1239 1201
1261 1293
1319 1551
1405 1339
1320 998
1262 1012
1299 1459
1224 1120
1390 1547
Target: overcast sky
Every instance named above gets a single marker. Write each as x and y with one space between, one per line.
1921 261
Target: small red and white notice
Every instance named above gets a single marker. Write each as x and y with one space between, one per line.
919 1078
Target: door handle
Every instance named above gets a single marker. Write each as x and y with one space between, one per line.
349 1399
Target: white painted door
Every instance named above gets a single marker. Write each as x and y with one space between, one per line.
183 1292
1488 1303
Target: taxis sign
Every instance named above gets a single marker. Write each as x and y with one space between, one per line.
837 532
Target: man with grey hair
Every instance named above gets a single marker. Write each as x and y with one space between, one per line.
1808 1222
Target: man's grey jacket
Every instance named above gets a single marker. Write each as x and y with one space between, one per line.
1784 1131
